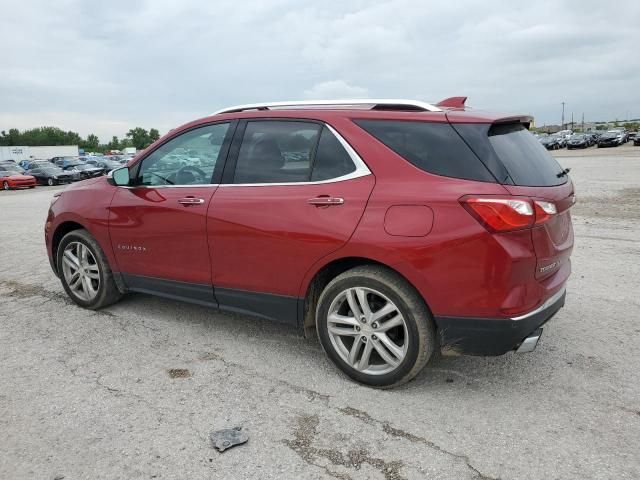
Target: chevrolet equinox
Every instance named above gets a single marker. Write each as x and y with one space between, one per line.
393 228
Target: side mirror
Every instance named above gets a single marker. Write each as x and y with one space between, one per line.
120 176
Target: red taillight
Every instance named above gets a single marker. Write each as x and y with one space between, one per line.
508 214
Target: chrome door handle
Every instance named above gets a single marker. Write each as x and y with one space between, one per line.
325 201
191 201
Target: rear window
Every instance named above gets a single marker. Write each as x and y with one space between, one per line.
433 147
529 164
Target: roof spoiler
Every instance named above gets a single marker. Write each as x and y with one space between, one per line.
452 102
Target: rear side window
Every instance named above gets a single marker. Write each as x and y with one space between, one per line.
276 152
332 160
527 161
433 147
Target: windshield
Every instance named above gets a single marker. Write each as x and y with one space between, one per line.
577 137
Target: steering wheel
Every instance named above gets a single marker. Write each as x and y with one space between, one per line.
191 169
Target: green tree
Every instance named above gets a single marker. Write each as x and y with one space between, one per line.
139 137
91 143
154 134
114 144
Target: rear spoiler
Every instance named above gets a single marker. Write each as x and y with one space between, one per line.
480 116
457 112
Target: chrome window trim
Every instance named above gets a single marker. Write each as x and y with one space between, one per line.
110 175
346 103
172 186
361 169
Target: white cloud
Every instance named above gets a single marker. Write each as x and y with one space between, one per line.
335 90
157 63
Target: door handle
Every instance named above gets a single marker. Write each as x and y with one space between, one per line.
325 201
187 201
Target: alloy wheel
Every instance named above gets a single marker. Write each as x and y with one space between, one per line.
5 185
367 330
81 271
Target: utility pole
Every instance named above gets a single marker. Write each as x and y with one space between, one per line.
571 120
563 115
582 122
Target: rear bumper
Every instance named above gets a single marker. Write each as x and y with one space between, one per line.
493 336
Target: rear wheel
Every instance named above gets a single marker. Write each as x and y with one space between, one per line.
84 271
375 327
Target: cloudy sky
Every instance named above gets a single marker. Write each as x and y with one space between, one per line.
104 67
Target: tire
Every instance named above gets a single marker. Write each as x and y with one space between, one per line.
5 185
417 330
106 292
50 182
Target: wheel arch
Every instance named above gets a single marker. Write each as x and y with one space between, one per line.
324 275
58 234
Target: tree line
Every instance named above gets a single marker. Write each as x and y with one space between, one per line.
43 136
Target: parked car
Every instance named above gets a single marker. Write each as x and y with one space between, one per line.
117 158
108 165
636 140
85 170
578 141
12 166
593 138
47 174
30 164
610 139
550 142
561 139
13 178
394 228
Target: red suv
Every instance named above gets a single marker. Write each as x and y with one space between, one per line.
394 228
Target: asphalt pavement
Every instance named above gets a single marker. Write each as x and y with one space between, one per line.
133 391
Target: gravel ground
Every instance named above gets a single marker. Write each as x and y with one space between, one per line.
133 391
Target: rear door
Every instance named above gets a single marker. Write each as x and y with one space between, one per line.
292 192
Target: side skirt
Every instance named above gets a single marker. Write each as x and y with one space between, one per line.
276 308
184 291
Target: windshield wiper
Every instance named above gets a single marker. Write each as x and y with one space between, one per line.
563 173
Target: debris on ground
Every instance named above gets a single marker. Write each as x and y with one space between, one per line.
228 437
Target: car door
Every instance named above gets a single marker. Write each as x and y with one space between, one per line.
158 224
292 192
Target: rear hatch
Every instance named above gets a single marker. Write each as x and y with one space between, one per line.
525 168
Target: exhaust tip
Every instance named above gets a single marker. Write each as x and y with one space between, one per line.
529 344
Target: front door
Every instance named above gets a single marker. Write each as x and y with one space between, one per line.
296 194
158 224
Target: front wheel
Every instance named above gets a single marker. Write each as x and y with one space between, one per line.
50 182
84 271
5 185
375 326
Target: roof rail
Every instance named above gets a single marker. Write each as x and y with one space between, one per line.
373 104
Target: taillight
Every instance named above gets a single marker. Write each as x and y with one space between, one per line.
508 214
544 211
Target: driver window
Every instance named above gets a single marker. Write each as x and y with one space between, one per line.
188 159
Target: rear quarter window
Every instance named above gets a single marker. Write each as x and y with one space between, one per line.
529 163
432 147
